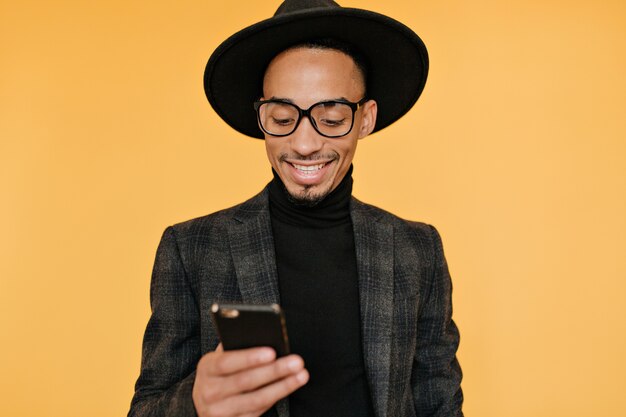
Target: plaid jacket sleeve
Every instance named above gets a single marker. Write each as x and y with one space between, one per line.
436 375
171 345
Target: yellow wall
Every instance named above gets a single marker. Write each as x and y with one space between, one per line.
516 152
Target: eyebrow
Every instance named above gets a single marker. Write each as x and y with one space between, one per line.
290 101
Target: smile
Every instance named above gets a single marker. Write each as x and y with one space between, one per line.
309 174
308 169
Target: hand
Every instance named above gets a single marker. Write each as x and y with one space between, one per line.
246 382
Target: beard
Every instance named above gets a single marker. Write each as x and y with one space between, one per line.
307 197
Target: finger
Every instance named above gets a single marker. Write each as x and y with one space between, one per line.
226 363
267 396
259 401
260 376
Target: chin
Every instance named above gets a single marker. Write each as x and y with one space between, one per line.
309 196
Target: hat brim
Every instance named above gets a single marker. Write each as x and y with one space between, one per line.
396 57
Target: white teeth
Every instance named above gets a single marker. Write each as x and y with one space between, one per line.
309 168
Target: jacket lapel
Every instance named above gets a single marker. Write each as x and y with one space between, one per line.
252 246
374 255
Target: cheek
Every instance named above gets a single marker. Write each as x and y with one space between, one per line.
348 151
271 149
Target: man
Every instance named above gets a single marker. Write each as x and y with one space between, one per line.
367 295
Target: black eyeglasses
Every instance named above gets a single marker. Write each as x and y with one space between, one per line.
331 118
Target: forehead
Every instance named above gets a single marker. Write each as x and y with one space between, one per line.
306 75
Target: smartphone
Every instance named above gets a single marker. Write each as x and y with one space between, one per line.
242 326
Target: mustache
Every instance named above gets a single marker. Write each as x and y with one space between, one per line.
328 156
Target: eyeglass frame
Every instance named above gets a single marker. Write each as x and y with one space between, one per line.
354 106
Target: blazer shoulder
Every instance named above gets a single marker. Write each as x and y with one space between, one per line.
255 206
411 238
362 210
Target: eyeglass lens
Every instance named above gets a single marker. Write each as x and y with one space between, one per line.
331 118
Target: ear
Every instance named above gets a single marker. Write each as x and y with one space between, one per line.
368 118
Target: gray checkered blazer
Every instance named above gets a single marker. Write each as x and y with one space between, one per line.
409 338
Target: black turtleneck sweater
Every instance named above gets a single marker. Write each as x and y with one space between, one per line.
318 281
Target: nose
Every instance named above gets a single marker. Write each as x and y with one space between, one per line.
305 140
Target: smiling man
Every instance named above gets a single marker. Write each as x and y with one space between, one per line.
367 295
313 154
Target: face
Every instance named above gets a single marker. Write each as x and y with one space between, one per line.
309 164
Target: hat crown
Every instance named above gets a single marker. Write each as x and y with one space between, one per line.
291 6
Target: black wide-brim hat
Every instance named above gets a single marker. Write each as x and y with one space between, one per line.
396 58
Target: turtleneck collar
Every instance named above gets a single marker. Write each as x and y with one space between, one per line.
331 211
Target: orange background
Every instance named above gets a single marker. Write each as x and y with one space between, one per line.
516 152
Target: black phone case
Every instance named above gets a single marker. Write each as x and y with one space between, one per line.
242 326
